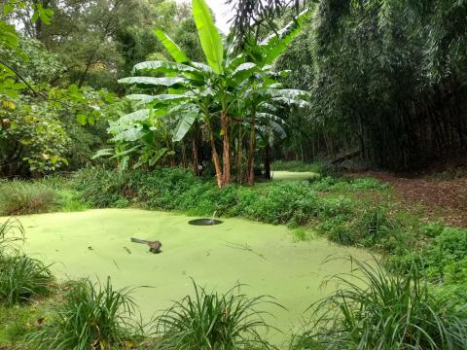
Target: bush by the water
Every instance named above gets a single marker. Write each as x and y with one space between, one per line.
377 310
22 197
21 278
211 320
90 317
294 203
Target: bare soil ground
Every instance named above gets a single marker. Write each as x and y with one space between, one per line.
437 198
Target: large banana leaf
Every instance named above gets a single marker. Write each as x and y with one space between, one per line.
152 81
177 54
243 71
163 66
130 135
143 98
276 44
209 36
134 117
286 93
184 125
288 101
278 129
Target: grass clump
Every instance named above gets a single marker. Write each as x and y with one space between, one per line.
22 279
213 321
329 183
21 198
11 231
377 310
89 317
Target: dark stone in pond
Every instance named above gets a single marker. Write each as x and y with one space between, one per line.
204 222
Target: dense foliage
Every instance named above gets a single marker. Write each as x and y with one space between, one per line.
385 312
387 82
124 97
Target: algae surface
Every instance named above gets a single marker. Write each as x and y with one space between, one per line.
293 175
96 243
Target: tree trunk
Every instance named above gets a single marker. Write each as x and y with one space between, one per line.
267 163
184 160
195 155
215 158
240 155
251 151
226 150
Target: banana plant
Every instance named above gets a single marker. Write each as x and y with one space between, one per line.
209 92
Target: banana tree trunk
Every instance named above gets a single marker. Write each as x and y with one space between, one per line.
251 151
195 155
215 157
267 162
226 150
184 160
240 154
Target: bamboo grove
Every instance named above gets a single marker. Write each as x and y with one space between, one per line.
387 80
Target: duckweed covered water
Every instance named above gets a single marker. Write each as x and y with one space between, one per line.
96 243
293 175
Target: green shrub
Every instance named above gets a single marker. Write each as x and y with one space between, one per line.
363 226
377 310
99 187
330 183
292 203
90 317
445 259
213 321
23 278
20 198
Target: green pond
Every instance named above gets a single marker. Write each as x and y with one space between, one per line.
293 175
265 258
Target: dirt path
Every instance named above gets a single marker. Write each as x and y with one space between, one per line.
445 200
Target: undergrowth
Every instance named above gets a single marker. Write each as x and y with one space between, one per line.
212 320
21 278
91 316
376 310
295 203
23 197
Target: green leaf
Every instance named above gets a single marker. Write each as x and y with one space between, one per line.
209 36
82 119
157 155
8 8
278 129
131 134
164 67
162 97
243 71
152 81
171 47
106 152
276 44
184 125
134 117
8 35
